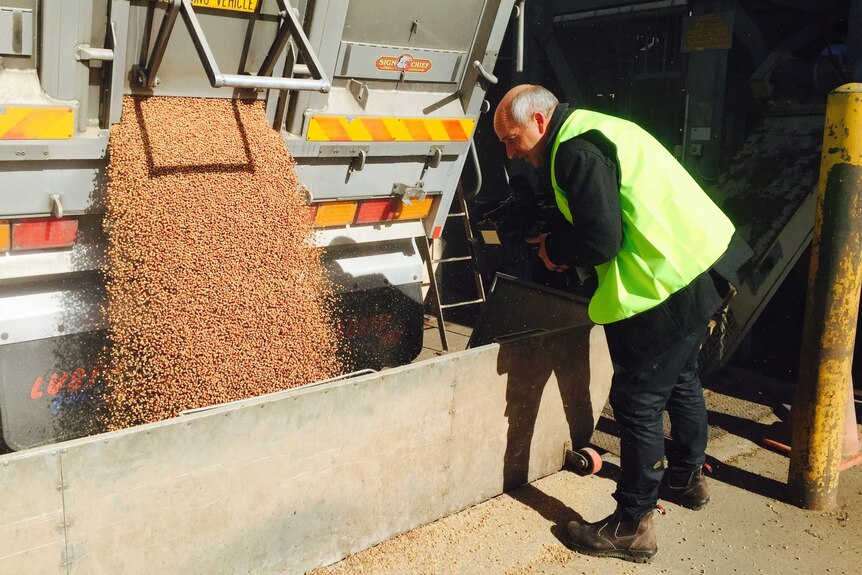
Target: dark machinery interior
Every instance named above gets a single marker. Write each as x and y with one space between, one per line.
736 90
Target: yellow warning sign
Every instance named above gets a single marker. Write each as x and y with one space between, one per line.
233 5
707 32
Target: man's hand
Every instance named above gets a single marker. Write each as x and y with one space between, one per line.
543 255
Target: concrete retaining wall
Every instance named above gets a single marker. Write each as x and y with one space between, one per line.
303 478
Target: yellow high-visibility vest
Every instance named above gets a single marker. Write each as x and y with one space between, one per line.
672 231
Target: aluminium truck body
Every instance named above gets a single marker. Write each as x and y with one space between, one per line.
377 102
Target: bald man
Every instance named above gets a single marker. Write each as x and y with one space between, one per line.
666 258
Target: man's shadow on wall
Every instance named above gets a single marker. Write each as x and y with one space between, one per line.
529 362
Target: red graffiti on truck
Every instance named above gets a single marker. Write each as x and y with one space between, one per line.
70 381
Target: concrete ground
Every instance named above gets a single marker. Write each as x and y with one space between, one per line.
748 527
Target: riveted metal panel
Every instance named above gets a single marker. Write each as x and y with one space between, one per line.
28 187
31 513
374 180
441 25
378 62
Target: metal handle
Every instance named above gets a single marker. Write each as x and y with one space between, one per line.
269 83
486 75
519 41
86 52
469 195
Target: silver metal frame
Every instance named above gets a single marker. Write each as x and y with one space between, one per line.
145 76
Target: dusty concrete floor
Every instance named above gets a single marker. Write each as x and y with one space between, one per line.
748 528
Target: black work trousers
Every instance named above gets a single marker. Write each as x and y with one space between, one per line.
639 396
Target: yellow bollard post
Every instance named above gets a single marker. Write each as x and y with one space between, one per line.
831 308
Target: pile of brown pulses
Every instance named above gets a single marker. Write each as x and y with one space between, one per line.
214 290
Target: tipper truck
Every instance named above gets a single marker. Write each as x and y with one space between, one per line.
377 101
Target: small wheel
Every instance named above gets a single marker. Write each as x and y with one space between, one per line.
584 461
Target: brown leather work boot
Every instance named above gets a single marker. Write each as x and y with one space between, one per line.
615 537
687 489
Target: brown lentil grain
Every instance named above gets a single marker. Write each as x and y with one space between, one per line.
214 291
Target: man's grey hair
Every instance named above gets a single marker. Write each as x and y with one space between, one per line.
531 100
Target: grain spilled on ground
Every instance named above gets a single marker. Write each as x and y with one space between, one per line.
214 291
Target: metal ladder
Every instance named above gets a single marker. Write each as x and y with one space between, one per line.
437 305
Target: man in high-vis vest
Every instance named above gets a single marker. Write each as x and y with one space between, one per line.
665 257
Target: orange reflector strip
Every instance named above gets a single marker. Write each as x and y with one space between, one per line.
334 214
4 235
380 129
34 123
437 231
415 210
43 233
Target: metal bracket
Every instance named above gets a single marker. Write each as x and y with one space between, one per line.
432 160
356 164
356 154
359 91
145 76
358 161
113 79
408 193
341 151
434 157
56 206
87 52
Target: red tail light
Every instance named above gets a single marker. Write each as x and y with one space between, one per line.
44 233
381 210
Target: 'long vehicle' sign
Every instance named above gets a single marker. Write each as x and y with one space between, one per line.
234 5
